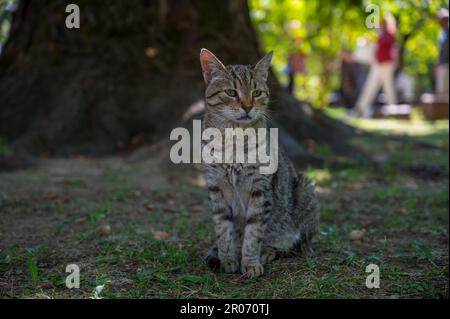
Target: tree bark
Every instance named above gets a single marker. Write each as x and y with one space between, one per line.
127 75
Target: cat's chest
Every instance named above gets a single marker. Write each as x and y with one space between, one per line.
237 193
236 181
234 174
239 177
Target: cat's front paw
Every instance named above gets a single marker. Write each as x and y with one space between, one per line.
268 255
252 270
229 265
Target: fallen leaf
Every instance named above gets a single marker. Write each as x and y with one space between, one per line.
51 195
357 235
349 186
198 181
104 230
151 52
160 234
149 207
196 208
168 210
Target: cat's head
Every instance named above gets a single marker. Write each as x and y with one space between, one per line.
238 93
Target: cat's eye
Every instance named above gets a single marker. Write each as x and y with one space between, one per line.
232 93
256 93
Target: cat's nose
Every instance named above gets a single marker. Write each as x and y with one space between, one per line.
247 107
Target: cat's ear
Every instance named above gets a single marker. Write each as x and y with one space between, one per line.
211 65
263 66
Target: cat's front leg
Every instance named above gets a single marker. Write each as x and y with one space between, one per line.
256 223
225 230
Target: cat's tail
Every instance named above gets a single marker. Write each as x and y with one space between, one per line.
309 207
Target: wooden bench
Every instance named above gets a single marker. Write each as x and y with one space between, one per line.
434 106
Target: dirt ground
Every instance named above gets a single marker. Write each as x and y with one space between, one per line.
140 227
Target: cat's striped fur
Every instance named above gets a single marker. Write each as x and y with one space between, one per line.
256 216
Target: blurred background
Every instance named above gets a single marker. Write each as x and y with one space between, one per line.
324 34
359 92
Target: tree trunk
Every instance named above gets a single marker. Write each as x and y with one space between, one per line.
127 75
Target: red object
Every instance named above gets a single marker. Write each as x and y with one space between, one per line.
385 48
297 62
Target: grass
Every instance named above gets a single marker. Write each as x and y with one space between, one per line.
400 205
33 270
4 148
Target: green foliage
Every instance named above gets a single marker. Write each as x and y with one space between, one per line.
196 279
424 250
98 214
5 21
328 28
4 148
146 274
33 270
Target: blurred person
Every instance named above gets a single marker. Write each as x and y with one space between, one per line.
353 74
295 64
364 52
382 70
441 71
404 85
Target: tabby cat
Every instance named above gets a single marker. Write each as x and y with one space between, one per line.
257 217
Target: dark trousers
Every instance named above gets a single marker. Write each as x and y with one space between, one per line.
291 83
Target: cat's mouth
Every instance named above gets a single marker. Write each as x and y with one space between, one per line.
245 118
